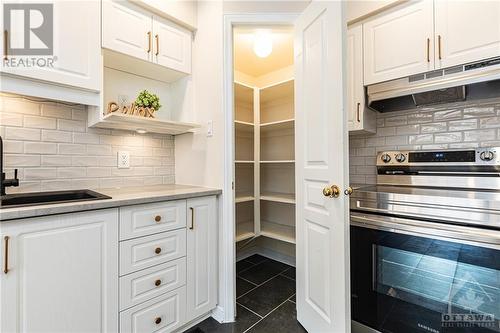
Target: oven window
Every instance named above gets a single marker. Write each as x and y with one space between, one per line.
436 283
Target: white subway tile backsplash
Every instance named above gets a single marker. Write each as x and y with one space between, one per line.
443 127
54 149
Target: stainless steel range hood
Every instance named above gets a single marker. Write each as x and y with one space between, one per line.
473 81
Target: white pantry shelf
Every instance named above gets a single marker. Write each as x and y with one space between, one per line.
244 162
277 231
150 125
277 161
244 230
244 197
278 197
287 124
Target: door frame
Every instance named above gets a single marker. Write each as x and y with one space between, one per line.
227 282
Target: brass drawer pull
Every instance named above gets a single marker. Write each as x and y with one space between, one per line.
191 227
439 46
6 255
157 44
5 44
149 41
157 282
157 320
158 250
157 218
357 113
428 50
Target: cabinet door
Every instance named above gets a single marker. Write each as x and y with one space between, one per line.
62 273
76 59
399 43
201 256
172 45
127 29
466 31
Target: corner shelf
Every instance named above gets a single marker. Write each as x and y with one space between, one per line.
277 161
278 197
244 197
244 230
242 126
278 231
150 125
287 124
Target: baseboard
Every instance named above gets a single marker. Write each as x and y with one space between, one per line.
218 314
289 260
243 254
192 323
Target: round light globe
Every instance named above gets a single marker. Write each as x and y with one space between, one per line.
263 44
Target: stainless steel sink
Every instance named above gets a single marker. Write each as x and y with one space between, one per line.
45 198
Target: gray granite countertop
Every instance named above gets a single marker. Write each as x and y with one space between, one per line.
119 197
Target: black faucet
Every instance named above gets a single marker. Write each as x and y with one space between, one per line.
6 182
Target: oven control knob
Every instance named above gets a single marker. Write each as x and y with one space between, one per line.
386 158
400 158
487 155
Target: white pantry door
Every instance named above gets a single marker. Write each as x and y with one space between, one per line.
323 285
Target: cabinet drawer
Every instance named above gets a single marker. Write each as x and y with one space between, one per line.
144 252
161 314
144 220
141 286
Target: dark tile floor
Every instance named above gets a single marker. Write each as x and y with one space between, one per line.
265 300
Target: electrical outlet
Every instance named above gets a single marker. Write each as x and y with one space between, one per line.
210 128
123 160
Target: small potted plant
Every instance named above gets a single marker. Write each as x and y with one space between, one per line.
148 100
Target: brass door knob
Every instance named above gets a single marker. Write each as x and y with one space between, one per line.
348 191
158 250
157 282
332 191
157 218
157 320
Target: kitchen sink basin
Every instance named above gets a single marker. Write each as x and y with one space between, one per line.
46 198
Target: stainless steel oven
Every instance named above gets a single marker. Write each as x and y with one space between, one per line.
426 258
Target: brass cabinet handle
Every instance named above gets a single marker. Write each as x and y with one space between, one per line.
158 250
157 218
331 191
428 50
157 282
5 44
157 44
157 320
6 255
149 41
348 190
191 227
357 113
439 47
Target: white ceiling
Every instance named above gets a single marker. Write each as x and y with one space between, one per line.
246 61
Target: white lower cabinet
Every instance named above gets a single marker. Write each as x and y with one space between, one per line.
61 273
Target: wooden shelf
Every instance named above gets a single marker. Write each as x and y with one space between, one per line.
244 162
278 197
287 124
241 126
277 161
244 230
278 231
244 197
150 125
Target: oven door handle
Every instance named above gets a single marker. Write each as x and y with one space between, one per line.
448 232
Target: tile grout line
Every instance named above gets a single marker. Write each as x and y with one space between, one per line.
248 329
287 277
255 313
259 285
239 277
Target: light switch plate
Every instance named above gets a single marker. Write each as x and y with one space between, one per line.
123 160
210 128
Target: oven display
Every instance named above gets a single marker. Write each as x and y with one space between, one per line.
444 156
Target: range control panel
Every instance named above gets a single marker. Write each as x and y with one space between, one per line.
478 156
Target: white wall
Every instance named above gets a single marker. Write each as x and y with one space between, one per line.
356 9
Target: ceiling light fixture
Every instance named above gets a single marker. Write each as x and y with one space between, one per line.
262 44
141 131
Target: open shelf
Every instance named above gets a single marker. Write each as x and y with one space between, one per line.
244 162
278 197
280 125
122 121
277 231
278 162
244 230
243 103
244 197
241 126
277 102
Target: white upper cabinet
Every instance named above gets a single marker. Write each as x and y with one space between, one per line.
466 31
76 46
172 45
133 31
127 29
360 118
399 43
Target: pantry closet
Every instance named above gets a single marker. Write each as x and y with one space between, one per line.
264 163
